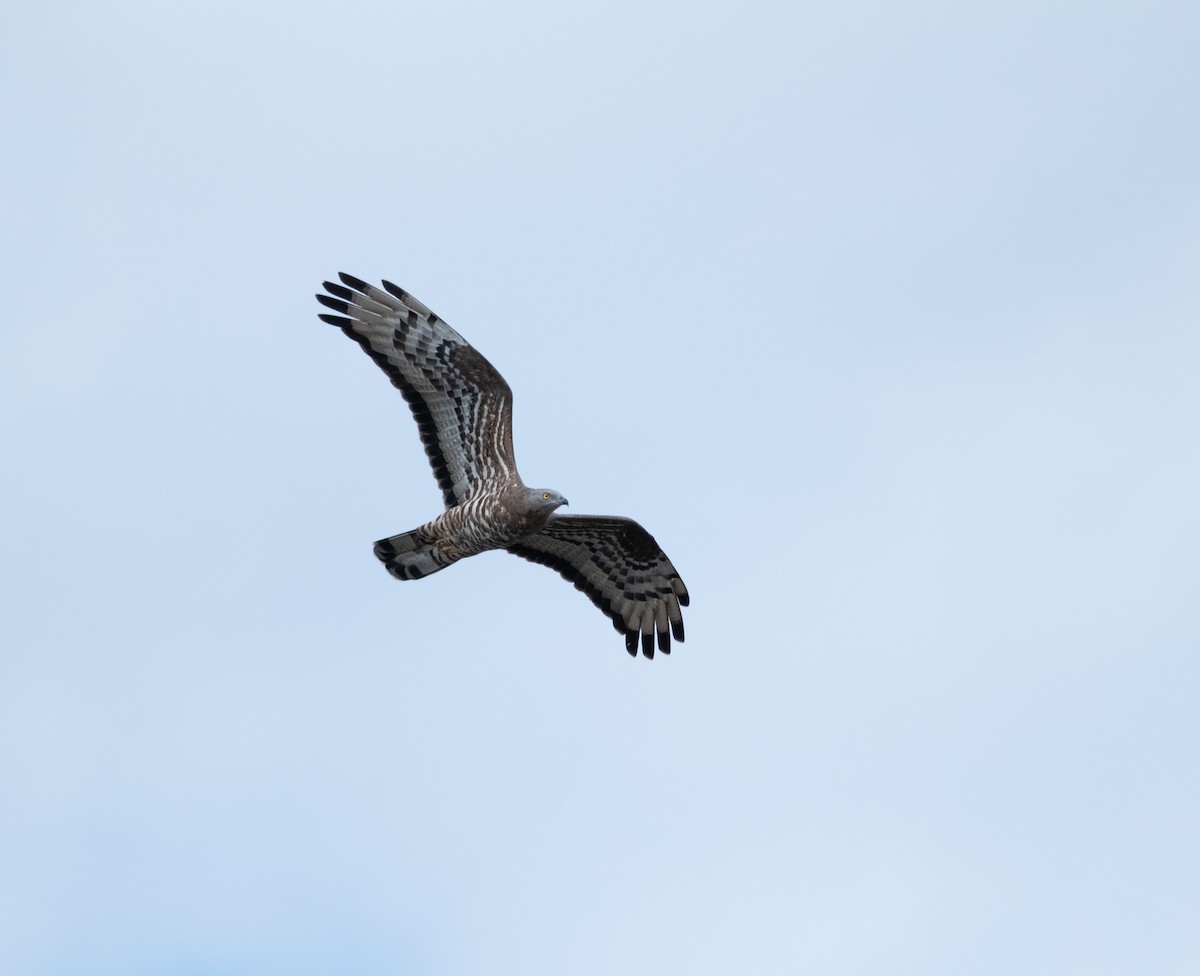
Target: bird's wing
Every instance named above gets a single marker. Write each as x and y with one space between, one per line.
462 406
621 568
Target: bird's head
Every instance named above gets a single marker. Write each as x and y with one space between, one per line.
546 499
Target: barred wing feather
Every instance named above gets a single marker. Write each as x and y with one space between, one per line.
621 568
462 406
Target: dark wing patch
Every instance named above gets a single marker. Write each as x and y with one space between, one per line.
462 406
621 568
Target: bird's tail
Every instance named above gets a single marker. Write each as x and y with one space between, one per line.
411 555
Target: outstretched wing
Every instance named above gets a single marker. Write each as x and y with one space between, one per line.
621 568
462 406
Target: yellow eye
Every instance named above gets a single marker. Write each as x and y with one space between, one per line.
545 494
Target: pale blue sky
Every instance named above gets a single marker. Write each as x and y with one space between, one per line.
884 319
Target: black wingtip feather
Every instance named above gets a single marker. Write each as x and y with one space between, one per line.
395 290
631 642
337 320
335 303
356 283
648 644
340 290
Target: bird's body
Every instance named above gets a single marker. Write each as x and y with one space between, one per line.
496 520
463 410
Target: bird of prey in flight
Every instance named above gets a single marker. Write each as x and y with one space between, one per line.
463 410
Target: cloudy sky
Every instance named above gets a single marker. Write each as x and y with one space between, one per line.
883 318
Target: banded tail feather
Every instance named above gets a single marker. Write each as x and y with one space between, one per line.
412 555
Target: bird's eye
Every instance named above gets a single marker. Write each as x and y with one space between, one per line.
545 494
